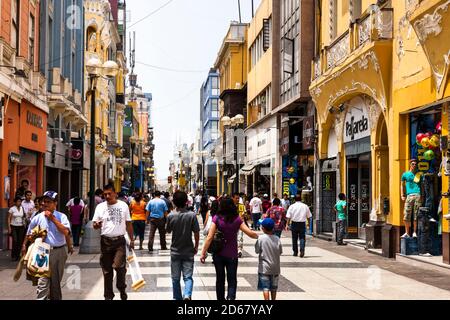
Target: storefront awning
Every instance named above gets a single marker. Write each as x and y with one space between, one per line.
248 169
232 178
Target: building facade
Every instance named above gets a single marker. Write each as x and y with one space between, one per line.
24 110
61 62
261 163
371 119
231 64
209 119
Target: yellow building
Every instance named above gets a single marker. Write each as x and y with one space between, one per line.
376 85
261 163
231 63
102 40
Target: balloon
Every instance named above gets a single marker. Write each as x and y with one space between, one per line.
439 127
429 155
419 137
292 181
428 134
425 142
291 169
435 141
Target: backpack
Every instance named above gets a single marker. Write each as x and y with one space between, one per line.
218 242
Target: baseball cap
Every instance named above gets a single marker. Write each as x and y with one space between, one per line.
266 195
268 224
50 194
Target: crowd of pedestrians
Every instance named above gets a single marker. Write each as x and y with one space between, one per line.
224 220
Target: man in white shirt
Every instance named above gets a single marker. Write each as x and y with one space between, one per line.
28 205
256 209
113 218
298 216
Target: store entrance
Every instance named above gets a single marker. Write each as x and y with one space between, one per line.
358 194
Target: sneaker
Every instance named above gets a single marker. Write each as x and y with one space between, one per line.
405 235
432 220
414 235
187 298
447 216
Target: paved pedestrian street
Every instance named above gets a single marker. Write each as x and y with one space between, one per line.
326 272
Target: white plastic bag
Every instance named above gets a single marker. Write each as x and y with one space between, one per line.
135 271
38 259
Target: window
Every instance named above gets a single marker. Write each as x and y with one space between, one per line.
31 31
15 27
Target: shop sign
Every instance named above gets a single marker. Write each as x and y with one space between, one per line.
356 124
14 157
77 154
284 139
308 133
35 120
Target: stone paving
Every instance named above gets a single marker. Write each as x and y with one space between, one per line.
326 272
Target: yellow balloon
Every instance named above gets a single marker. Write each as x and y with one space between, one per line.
434 141
292 180
425 142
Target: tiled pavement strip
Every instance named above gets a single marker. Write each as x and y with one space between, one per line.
326 272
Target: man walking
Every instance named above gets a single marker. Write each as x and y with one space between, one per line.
298 215
256 210
28 205
182 223
58 228
113 218
158 210
285 203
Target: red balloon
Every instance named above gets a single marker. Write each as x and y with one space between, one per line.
419 137
429 134
439 127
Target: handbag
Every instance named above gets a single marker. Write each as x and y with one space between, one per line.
207 226
218 242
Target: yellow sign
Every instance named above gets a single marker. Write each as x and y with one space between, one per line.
182 181
352 230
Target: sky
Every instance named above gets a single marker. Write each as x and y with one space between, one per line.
185 36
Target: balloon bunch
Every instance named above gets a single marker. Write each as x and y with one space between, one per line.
430 142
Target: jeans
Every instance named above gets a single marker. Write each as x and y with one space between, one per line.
185 265
298 232
113 257
139 229
428 186
341 230
159 224
230 264
76 231
256 217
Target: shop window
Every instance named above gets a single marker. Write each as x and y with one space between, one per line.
27 172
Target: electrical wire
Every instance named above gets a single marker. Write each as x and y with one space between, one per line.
169 69
150 14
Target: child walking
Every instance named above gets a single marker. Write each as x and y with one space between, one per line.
269 248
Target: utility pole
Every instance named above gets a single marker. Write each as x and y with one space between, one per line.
239 8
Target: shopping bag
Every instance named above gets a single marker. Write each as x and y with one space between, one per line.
133 266
38 259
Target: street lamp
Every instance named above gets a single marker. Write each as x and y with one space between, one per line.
235 123
202 154
133 141
96 69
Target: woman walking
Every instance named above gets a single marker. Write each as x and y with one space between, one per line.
139 217
76 212
204 207
16 227
229 223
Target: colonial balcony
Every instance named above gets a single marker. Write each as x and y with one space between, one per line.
65 101
431 22
358 62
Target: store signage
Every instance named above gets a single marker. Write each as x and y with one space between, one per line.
356 124
308 133
284 139
288 55
35 120
14 157
77 154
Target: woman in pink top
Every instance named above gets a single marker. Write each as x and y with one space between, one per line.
76 212
227 221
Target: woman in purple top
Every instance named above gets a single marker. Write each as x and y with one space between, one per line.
229 222
76 212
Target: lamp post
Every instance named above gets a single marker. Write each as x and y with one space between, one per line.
235 123
133 141
95 69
